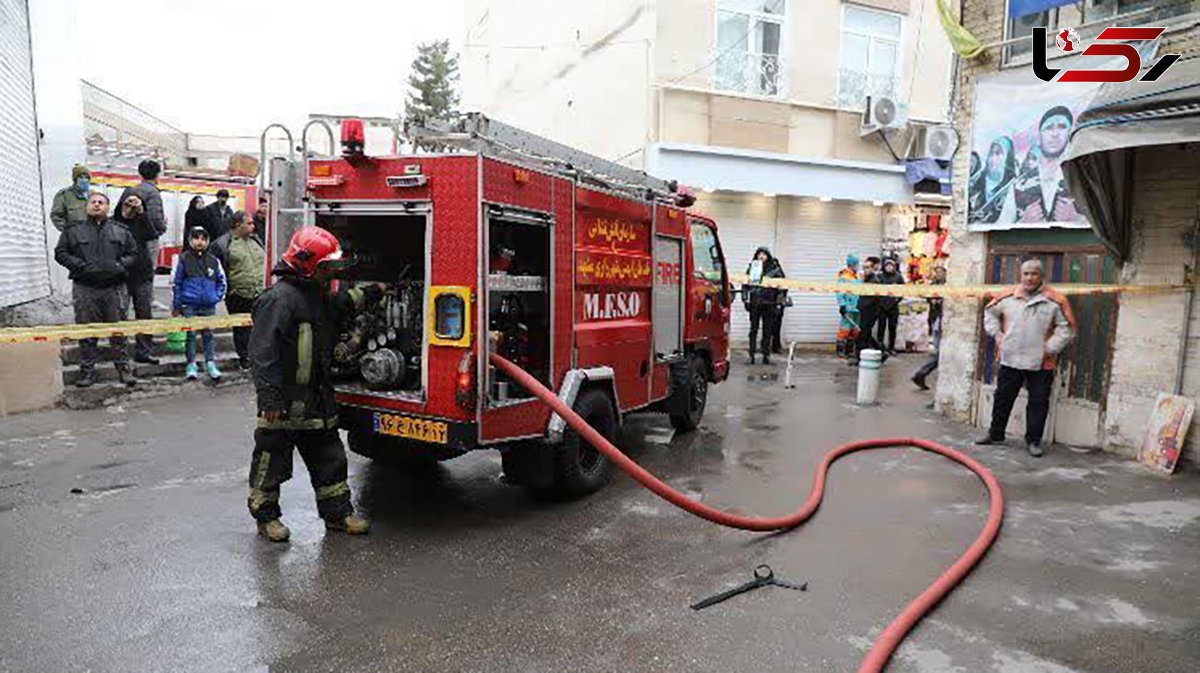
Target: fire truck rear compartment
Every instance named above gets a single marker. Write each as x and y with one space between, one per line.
518 302
381 351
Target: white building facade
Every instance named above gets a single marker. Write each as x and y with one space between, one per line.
757 104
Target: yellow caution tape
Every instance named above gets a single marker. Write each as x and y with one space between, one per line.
927 291
168 325
94 330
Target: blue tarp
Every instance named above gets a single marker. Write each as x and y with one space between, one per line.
1019 8
917 170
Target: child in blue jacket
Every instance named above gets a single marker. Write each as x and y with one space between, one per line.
199 287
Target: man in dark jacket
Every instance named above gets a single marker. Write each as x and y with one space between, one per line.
889 307
260 214
291 351
219 220
762 303
868 307
98 254
146 226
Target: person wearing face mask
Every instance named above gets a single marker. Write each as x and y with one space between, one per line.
70 203
991 185
888 317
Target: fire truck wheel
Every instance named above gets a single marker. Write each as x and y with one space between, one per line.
579 469
691 395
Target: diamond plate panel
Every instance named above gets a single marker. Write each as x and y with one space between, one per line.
511 185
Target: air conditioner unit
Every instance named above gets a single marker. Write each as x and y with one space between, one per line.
883 114
933 142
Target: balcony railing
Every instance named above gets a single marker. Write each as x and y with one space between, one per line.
754 74
855 85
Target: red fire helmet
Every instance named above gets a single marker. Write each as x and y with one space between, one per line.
309 247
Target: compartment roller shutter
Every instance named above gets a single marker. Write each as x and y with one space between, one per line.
814 239
24 265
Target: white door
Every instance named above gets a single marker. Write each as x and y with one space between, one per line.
814 239
24 265
744 222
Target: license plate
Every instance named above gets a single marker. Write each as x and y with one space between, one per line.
419 429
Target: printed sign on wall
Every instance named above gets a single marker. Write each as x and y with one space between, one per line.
1021 130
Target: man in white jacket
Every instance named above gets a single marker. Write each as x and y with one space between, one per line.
1032 324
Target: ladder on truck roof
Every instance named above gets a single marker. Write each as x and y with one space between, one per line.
477 133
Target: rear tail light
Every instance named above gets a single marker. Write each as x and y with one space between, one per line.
464 385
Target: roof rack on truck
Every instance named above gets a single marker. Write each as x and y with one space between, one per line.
475 132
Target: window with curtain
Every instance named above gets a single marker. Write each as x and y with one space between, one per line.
748 55
869 63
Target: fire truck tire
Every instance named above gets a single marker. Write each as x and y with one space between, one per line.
690 395
579 469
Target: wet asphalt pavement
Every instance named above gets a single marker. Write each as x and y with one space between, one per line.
154 565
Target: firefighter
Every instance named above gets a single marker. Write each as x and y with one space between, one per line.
291 351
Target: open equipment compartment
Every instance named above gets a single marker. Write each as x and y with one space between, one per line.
518 299
383 350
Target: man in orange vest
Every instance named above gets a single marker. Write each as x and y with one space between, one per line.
1032 324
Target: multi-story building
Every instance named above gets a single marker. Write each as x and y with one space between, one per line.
1143 230
758 104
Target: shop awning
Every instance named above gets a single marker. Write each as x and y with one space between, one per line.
1122 117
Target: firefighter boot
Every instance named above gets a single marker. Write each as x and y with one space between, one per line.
274 530
351 525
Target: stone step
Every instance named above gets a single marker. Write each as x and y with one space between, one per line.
222 341
171 366
110 392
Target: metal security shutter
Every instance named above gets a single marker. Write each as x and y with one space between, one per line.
24 268
743 223
814 239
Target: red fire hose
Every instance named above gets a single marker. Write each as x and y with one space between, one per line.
889 640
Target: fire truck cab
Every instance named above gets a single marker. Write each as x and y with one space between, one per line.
587 274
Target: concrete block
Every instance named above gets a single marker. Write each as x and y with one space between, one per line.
30 376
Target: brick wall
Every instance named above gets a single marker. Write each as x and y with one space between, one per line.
1146 349
1149 327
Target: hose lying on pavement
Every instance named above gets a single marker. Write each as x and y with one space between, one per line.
887 642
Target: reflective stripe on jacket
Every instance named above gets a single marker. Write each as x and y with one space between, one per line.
291 349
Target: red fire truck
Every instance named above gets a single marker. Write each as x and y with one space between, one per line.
589 275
